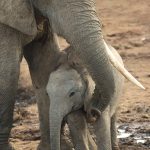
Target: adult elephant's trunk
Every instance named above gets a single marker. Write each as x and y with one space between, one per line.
56 115
79 25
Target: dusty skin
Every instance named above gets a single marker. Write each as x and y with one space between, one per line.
126 25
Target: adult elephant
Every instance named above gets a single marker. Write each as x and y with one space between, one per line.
75 20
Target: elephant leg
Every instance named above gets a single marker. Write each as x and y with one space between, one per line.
114 140
80 134
43 106
42 59
43 109
42 101
10 53
102 131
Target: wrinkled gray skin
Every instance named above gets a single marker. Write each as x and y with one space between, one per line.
68 91
75 20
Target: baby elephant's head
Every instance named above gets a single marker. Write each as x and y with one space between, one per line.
67 91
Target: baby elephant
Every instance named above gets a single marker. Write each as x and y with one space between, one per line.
69 88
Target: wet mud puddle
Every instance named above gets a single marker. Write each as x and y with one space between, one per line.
134 133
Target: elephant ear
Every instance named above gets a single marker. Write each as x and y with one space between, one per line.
19 15
90 86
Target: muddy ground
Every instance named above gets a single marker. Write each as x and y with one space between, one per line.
126 25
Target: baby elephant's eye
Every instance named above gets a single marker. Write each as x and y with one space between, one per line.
71 94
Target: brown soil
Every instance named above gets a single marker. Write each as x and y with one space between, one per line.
126 25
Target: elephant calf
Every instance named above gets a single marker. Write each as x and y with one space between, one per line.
69 88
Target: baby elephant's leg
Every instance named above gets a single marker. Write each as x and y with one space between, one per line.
81 137
114 140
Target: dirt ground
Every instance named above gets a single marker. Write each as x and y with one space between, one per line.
126 25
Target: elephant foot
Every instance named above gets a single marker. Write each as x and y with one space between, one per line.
7 147
43 146
115 147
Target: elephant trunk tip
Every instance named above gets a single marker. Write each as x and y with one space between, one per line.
93 115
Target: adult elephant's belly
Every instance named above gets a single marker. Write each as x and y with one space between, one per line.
18 14
43 30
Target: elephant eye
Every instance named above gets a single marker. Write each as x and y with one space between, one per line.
71 94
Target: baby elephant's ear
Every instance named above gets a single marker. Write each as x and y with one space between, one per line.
19 15
90 86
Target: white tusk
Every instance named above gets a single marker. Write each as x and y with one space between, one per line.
121 69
